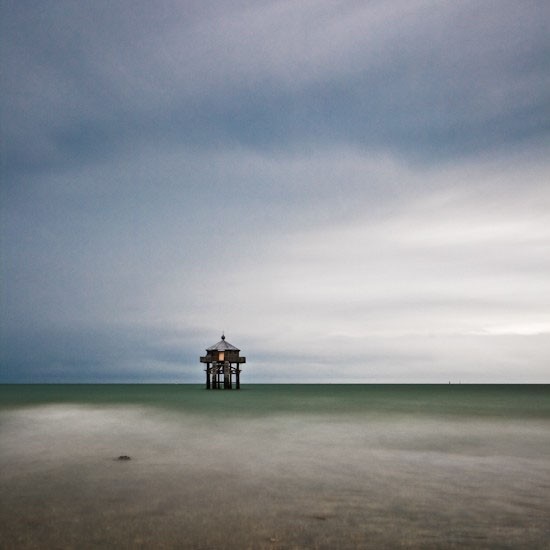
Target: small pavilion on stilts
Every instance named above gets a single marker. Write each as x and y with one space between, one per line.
223 366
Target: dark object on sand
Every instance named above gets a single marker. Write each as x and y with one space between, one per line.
124 457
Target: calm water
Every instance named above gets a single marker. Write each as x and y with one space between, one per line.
280 466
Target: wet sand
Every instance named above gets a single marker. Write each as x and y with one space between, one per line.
272 481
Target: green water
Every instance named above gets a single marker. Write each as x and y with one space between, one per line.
275 466
504 401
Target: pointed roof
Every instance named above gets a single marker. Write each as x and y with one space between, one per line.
222 345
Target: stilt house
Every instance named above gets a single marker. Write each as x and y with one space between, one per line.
222 366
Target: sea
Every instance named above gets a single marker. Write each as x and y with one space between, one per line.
275 466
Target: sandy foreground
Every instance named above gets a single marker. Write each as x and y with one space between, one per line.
271 482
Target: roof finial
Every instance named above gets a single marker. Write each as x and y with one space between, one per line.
223 334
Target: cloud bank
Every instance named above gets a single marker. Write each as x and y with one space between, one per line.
354 192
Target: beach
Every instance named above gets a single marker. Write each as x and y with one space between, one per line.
280 466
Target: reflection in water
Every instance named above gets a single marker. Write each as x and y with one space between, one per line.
277 481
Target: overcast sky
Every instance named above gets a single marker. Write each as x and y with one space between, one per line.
354 191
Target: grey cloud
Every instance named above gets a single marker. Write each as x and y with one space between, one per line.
89 353
293 172
412 78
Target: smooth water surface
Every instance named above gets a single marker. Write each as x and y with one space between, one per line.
280 466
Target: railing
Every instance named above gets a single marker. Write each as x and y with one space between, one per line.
211 359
